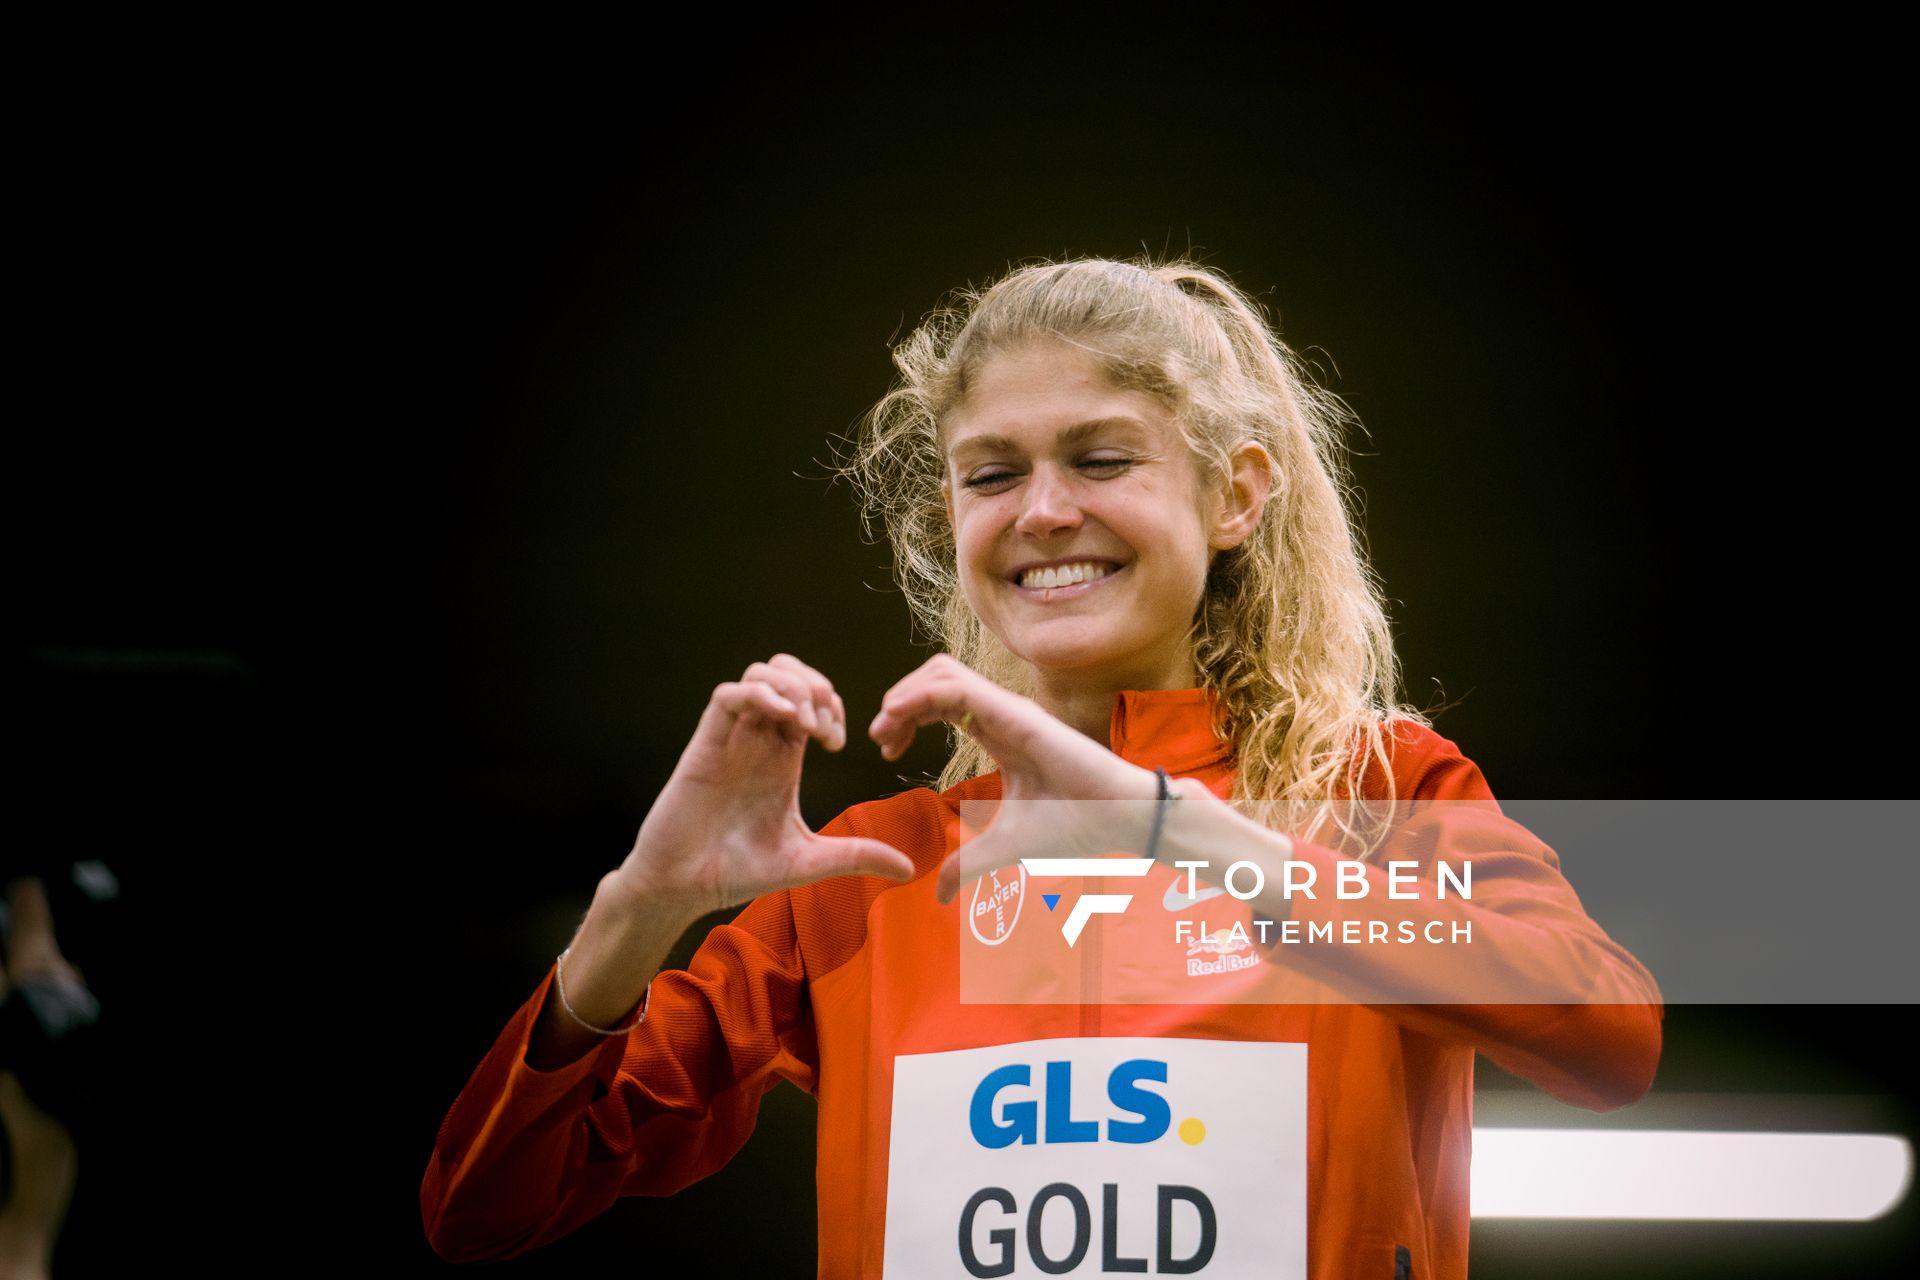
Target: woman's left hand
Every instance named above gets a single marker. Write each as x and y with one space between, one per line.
1063 795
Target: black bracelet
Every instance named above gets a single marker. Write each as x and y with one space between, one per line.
1167 797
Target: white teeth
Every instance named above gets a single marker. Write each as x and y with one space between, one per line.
1064 575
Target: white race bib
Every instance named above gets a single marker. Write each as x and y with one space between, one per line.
1099 1155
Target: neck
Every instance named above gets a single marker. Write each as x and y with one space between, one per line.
1086 704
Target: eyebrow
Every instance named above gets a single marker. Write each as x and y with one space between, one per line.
1069 435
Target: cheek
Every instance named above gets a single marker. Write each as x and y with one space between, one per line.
1188 560
966 547
971 554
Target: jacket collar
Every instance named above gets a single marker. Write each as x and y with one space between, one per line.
1169 729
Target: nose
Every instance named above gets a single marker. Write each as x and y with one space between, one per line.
1047 504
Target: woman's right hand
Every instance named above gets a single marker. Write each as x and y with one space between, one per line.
727 826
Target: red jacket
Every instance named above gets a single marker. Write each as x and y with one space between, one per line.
1325 1139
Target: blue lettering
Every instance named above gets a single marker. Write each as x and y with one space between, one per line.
1124 1091
1061 1126
1021 1116
1144 1114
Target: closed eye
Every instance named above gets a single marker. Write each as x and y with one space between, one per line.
988 479
996 477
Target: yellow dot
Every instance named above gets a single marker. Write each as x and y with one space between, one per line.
1192 1132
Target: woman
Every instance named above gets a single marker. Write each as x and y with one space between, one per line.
1120 509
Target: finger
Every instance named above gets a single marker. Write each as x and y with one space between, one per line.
814 691
792 686
753 700
914 704
857 856
840 720
938 666
947 880
894 728
833 722
972 860
971 822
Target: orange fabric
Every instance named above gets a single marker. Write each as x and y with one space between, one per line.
826 984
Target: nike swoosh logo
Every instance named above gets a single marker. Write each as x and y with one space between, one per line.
1177 899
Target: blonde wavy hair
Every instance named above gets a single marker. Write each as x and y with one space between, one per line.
1291 634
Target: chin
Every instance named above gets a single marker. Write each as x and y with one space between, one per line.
1076 656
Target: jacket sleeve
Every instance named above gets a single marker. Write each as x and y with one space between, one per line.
526 1156
1540 989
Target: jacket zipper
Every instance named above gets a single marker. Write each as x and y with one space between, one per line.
1090 977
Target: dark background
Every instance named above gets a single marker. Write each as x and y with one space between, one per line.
411 440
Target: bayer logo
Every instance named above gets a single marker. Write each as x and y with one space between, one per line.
997 899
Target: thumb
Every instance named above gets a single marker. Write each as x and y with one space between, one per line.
858 856
989 851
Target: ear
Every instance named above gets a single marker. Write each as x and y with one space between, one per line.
1242 496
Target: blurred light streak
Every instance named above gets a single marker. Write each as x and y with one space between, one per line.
1682 1175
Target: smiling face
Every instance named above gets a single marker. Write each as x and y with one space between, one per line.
1082 527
